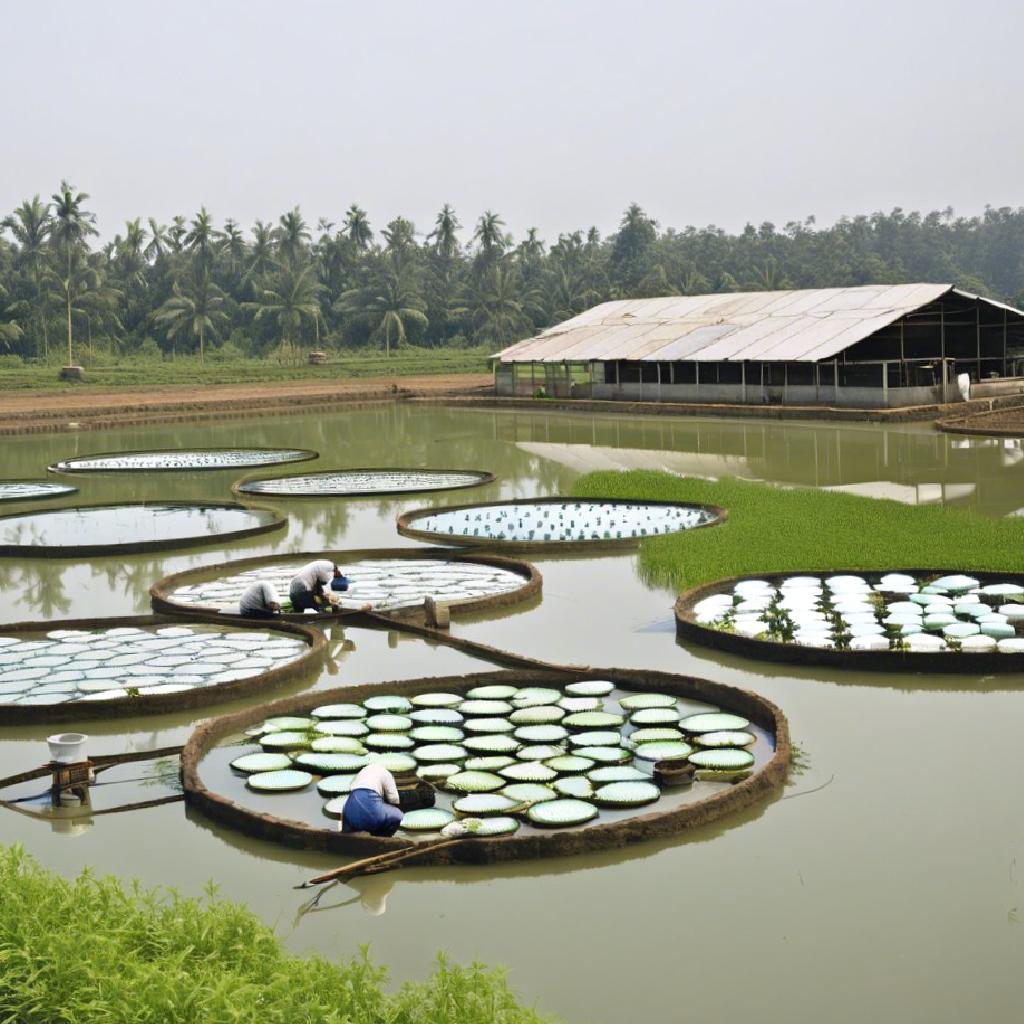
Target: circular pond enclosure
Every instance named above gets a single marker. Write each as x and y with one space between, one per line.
538 523
178 460
916 619
33 490
355 483
392 580
107 668
536 762
129 527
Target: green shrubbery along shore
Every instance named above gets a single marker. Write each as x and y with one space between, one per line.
778 529
93 950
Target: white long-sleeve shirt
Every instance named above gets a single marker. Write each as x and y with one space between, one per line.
380 780
258 598
320 571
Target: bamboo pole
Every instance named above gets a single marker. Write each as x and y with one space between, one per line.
378 863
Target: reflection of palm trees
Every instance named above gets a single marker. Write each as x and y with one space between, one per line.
44 592
134 577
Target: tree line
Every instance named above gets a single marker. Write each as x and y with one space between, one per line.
192 286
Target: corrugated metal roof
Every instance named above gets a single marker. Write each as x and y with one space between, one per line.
798 326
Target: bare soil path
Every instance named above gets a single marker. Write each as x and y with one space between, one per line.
88 408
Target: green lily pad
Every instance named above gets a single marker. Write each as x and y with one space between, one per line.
561 813
338 745
576 786
498 826
339 711
725 759
570 764
616 773
439 753
491 744
529 792
292 724
426 819
437 772
539 751
396 763
626 794
436 716
596 738
482 804
285 741
495 692
572 705
533 696
485 708
487 725
639 736
436 700
342 727
644 701
726 739
488 762
389 723
388 741
475 782
715 722
436 734
667 750
541 733
593 720
335 785
386 702
261 763
654 716
540 714
279 781
335 807
528 771
605 755
324 764
590 688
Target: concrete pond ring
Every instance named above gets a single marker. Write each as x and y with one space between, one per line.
34 490
407 524
523 578
141 703
947 660
765 781
180 460
263 520
374 484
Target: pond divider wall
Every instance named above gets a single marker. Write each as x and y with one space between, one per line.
159 703
948 662
307 455
238 488
658 824
162 600
407 529
34 550
59 490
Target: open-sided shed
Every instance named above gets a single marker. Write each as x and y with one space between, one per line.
870 346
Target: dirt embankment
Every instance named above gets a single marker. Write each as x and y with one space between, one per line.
998 423
101 408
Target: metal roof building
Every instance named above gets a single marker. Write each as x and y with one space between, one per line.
874 345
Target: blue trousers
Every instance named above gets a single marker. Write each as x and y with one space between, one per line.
366 811
301 599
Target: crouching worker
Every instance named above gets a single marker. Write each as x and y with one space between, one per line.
259 601
306 590
372 803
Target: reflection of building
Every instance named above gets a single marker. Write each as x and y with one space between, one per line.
872 346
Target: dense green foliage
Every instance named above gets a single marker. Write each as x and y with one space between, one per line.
777 529
92 950
193 285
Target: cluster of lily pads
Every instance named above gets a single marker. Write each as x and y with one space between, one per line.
362 481
385 583
897 612
100 664
562 522
26 490
174 459
501 754
117 525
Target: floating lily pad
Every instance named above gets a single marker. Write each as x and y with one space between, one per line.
665 751
491 744
713 722
497 826
645 701
577 786
485 708
626 794
339 711
528 771
389 703
596 738
279 781
352 727
487 725
535 696
540 714
484 804
529 792
261 762
291 724
571 705
398 764
616 773
727 738
722 760
388 741
605 755
488 762
590 688
541 733
439 753
561 813
329 763
539 751
436 700
389 723
437 772
475 782
570 764
653 735
285 740
654 716
426 819
437 716
335 785
336 808
494 692
593 720
436 734
337 745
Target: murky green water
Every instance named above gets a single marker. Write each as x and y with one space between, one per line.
885 883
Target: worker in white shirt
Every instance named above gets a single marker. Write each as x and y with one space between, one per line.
372 804
306 589
259 601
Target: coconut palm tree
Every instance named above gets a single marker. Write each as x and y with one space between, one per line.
30 224
201 239
72 225
195 310
290 297
498 312
389 305
490 236
261 253
292 236
158 242
357 227
445 233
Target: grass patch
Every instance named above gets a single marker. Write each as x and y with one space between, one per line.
93 950
774 529
142 373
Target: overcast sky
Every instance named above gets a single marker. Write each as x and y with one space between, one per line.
553 114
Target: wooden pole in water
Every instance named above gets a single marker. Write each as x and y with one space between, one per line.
378 863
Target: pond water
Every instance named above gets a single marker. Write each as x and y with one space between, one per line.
886 881
116 525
